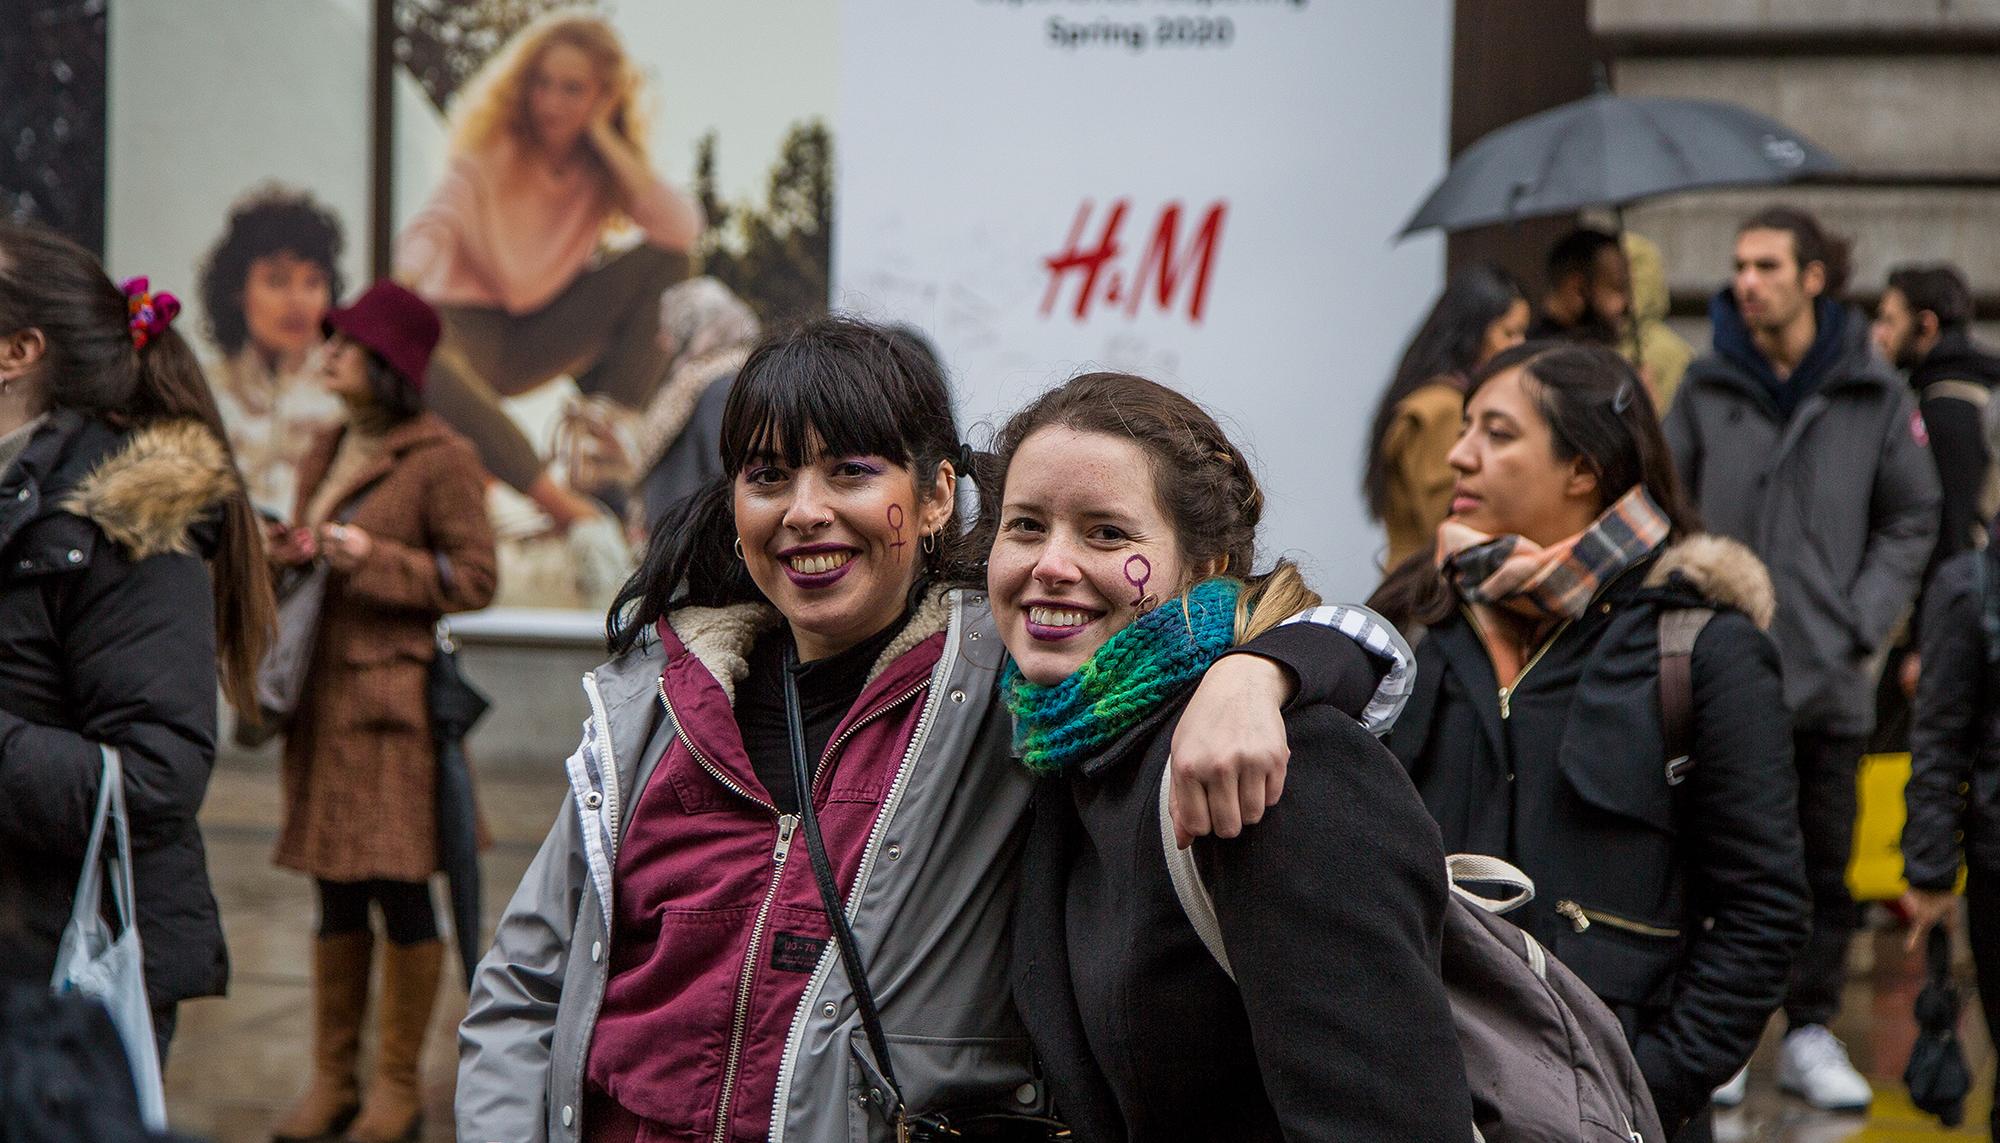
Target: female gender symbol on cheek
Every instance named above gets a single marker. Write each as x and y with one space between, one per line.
896 522
1138 581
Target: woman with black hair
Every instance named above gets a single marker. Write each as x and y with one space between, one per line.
394 502
265 289
1406 480
131 575
667 966
1597 703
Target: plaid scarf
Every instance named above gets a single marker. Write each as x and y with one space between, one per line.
1515 575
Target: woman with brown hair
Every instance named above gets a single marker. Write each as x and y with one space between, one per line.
393 502
548 155
1121 569
669 967
131 574
1598 704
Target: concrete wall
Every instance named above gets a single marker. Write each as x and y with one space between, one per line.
1900 15
1907 111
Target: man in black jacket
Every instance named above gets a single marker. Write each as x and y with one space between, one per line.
1954 788
1923 326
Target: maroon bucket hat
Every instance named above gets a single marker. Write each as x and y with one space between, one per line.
400 327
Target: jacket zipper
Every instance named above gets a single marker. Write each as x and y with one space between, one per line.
1507 692
1581 918
739 1022
925 718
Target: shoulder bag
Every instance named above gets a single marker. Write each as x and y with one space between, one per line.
910 1126
110 968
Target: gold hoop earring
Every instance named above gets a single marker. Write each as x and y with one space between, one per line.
738 546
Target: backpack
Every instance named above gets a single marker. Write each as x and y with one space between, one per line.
1679 628
1545 1060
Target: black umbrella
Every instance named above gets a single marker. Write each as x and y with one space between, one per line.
1937 1076
1610 150
455 706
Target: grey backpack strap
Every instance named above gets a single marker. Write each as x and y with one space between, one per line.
1186 876
1679 628
1462 868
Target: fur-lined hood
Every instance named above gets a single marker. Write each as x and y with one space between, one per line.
149 495
721 637
1724 571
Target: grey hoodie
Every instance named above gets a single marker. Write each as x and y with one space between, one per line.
1840 501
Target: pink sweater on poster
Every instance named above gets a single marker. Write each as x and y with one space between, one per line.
509 234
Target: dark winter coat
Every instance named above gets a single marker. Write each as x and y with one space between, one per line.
1839 499
1953 385
1331 908
107 636
360 766
1681 906
1954 787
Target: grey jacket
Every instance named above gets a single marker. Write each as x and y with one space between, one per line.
1840 502
932 930
933 921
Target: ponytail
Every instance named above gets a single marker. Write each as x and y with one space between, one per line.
171 387
53 285
1270 599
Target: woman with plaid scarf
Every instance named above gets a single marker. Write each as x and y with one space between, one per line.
1657 816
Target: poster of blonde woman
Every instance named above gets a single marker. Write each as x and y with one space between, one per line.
581 352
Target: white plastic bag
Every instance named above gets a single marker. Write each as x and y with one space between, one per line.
109 967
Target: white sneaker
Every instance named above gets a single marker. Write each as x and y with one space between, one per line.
1732 1093
1813 1065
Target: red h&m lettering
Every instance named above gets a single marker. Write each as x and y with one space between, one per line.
1164 265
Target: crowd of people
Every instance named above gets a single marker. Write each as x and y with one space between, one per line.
872 829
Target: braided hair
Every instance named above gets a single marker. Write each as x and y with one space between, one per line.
1201 481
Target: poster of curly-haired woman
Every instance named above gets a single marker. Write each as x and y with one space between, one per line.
603 204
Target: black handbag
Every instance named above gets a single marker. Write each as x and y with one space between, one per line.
886 1096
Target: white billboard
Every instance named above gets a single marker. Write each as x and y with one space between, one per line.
1200 191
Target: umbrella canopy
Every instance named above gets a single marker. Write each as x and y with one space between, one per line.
1610 150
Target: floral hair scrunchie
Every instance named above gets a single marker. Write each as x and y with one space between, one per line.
148 314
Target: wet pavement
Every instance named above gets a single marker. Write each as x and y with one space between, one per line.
238 1061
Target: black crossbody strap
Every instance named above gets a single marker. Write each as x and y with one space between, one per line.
829 893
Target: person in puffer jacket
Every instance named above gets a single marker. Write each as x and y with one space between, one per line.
131 576
665 971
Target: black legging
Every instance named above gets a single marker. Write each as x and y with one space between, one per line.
407 913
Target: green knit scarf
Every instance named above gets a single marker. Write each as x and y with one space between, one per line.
1058 726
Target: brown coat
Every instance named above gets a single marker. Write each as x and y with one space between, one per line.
360 771
1420 481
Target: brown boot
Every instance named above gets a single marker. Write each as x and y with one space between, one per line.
393 1108
340 1000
